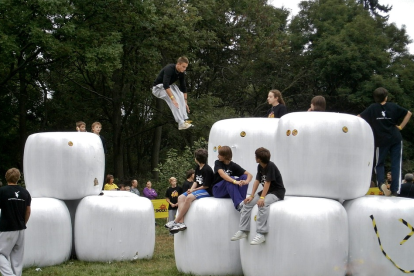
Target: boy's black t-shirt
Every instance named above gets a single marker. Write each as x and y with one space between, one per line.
172 194
383 120
277 111
204 177
187 185
271 173
232 169
168 75
14 201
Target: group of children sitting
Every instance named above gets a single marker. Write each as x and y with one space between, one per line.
229 180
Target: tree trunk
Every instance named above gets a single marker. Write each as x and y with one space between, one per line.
22 115
155 158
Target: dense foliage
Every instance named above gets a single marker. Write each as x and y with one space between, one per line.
66 61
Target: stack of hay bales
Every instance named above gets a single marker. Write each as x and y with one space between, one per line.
324 226
64 174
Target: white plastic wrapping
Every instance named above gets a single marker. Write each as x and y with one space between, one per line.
116 226
324 154
64 165
366 257
48 237
243 136
205 247
307 236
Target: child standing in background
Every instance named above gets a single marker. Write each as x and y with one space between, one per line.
171 195
96 128
80 126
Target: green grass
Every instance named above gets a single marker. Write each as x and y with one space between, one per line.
161 264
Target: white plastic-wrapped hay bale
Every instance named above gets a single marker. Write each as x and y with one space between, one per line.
243 136
324 154
307 236
117 226
64 165
386 220
48 237
205 247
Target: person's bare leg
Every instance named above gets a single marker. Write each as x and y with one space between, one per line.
184 208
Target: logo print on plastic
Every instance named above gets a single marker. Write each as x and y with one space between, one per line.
345 129
242 134
288 132
70 143
294 132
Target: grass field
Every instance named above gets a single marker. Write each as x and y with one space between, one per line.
161 264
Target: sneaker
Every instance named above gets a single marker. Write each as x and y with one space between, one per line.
240 206
385 190
394 194
184 125
258 239
177 228
239 235
169 224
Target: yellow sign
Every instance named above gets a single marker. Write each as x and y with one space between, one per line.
160 208
374 191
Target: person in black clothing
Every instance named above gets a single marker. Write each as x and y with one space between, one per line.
383 118
175 97
318 103
268 175
278 108
407 189
188 183
171 195
15 212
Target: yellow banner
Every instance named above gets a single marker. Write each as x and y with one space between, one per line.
374 191
160 208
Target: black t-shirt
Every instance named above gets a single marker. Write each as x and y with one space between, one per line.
14 201
232 169
407 190
271 173
172 194
383 120
168 75
187 185
277 111
204 177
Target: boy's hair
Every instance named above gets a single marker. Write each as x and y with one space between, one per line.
96 123
132 181
278 94
201 156
189 173
226 152
171 179
380 94
319 103
263 154
182 59
78 124
12 175
109 177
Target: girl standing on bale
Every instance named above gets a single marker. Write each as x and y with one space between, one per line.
278 108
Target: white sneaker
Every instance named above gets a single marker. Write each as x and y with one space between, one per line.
185 125
258 239
239 235
177 228
169 224
385 190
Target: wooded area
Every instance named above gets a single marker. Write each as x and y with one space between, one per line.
67 61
